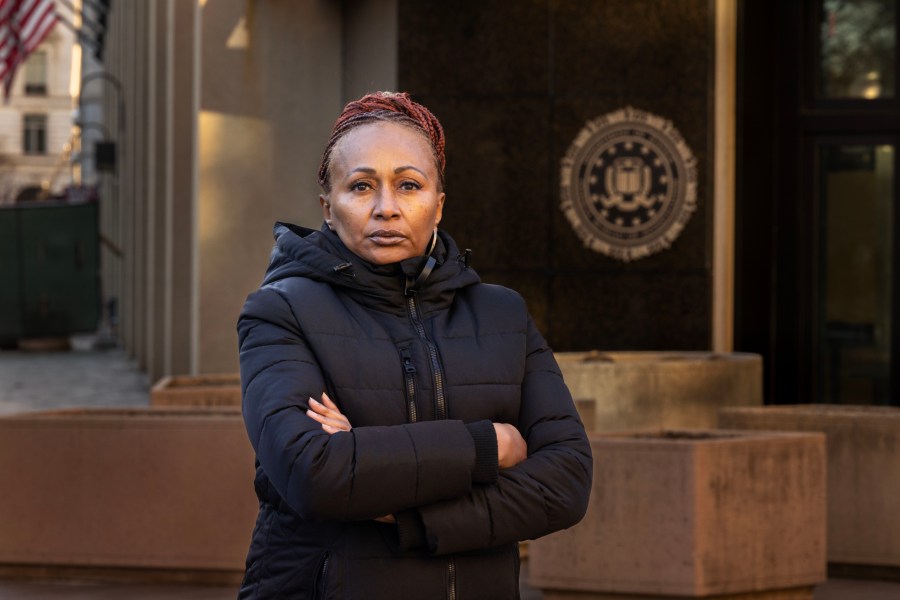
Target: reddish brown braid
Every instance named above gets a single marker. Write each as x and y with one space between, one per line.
386 106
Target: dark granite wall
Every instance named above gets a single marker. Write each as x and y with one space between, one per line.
513 82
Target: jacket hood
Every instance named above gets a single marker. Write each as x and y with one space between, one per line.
322 256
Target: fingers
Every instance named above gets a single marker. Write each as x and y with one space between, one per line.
328 415
511 446
327 401
329 424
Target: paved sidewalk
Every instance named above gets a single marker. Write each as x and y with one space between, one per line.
834 589
84 377
81 377
21 590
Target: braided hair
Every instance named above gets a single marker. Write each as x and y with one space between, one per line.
396 107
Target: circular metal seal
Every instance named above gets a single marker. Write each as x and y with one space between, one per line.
629 184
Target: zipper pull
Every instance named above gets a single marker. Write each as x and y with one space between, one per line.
342 269
407 360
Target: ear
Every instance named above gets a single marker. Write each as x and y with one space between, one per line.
438 215
326 210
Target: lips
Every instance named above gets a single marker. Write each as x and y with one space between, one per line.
387 237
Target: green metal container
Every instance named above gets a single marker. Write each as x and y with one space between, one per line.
10 279
55 267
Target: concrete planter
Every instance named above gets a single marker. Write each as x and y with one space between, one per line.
147 490
694 514
661 390
863 473
201 390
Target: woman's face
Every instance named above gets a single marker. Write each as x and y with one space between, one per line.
385 199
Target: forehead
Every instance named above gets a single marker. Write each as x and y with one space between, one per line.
382 140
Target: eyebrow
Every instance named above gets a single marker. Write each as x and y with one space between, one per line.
405 167
368 170
371 171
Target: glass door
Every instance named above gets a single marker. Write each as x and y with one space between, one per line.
817 213
854 94
855 267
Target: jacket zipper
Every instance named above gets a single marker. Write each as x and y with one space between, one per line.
323 571
410 371
440 404
451 579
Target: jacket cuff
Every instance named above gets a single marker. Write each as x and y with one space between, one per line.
411 529
487 467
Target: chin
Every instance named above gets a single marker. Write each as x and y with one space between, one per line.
382 259
386 257
378 255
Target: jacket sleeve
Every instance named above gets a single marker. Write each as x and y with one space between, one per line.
546 492
360 474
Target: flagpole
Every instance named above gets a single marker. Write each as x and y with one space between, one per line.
121 116
109 335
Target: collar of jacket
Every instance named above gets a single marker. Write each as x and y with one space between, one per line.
322 256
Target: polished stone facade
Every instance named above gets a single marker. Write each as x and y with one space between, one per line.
513 83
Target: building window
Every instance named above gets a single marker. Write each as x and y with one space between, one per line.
858 48
36 74
34 134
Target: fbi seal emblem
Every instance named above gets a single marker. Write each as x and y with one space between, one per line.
628 184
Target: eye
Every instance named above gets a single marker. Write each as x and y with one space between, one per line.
360 186
410 185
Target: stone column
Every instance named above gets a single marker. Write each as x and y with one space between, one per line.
182 231
269 93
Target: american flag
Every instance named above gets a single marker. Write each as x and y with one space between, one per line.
23 26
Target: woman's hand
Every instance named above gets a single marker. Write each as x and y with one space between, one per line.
333 420
511 446
328 415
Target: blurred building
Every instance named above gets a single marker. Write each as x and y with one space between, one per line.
36 123
780 119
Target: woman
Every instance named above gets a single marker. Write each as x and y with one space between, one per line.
410 423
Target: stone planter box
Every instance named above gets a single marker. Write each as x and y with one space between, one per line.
660 390
141 491
863 473
694 514
202 390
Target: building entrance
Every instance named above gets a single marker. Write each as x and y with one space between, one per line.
817 202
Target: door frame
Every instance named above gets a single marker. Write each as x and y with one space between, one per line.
780 123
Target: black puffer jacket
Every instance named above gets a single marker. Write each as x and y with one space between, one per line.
421 361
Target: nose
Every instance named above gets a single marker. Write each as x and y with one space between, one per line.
386 206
